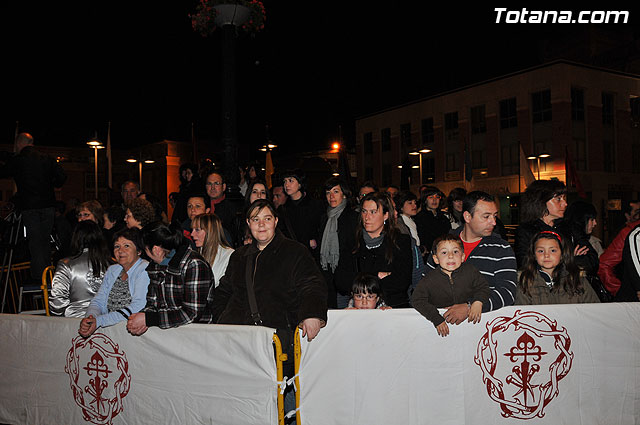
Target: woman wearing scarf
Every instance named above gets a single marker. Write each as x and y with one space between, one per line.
381 250
338 228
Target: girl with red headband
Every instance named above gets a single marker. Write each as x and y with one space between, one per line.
550 275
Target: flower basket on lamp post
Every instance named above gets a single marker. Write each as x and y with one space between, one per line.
246 15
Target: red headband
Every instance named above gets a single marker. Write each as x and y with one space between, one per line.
553 233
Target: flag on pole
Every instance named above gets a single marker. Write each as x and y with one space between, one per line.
571 174
269 169
193 143
524 165
109 169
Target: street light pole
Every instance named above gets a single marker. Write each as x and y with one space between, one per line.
419 154
95 144
537 157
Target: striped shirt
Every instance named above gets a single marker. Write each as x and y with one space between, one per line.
496 261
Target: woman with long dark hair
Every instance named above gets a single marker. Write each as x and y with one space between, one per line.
549 274
454 207
78 277
380 249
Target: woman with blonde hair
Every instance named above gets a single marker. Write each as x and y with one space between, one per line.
208 235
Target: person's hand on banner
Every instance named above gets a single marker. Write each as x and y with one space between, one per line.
137 324
456 314
87 326
310 328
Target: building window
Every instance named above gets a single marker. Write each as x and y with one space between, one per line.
609 155
451 142
581 154
427 131
478 120
368 173
451 121
634 103
405 135
607 109
368 143
541 106
385 136
386 174
577 104
510 156
508 113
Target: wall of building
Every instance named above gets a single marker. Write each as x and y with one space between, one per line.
603 172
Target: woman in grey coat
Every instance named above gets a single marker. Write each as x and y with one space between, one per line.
78 277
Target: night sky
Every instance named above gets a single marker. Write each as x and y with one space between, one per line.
71 68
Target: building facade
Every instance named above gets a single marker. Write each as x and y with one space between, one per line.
479 137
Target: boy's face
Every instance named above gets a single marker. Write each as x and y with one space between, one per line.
365 301
449 256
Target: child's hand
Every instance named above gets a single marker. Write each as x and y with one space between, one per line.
386 307
475 312
443 329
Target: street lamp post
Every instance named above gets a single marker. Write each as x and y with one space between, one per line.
542 155
419 152
139 160
95 144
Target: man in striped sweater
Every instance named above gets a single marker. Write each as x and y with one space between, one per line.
487 251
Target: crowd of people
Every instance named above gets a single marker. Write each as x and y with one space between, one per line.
276 256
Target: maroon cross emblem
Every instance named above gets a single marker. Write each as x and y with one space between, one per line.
525 347
97 385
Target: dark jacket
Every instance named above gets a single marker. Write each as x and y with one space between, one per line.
439 290
178 292
187 189
287 284
430 227
303 216
526 232
541 293
227 210
395 286
495 260
347 223
36 175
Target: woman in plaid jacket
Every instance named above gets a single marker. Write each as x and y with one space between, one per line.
180 280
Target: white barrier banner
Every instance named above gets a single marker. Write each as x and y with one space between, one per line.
196 374
556 364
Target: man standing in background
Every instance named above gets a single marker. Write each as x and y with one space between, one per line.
36 175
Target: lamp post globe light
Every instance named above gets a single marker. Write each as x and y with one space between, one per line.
139 160
95 144
537 157
419 152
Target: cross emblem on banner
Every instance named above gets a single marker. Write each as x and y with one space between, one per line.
526 348
97 385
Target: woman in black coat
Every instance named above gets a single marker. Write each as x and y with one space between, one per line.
380 249
543 206
288 288
337 236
